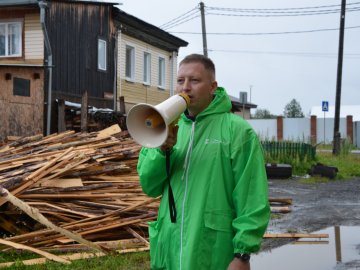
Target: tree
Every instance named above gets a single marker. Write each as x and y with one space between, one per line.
263 114
293 110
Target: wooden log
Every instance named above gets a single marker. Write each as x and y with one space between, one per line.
32 178
35 250
138 236
280 209
296 235
114 129
315 242
61 115
281 200
35 214
84 111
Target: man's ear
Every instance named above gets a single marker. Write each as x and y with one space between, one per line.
214 86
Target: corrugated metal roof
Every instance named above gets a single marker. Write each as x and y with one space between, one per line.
33 2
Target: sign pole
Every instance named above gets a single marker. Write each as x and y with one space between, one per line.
324 128
325 108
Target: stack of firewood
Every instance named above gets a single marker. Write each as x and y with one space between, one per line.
97 119
83 183
76 191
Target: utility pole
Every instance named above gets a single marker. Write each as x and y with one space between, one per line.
336 141
202 10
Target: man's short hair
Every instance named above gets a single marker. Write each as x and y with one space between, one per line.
199 58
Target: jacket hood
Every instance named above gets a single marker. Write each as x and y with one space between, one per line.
220 104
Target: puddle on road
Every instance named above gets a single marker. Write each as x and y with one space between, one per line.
340 251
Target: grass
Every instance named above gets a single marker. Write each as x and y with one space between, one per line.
347 164
314 180
129 261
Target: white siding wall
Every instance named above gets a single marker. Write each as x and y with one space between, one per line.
265 128
297 129
356 129
140 48
34 40
328 133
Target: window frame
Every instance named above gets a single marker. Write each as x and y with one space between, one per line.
102 56
161 72
131 76
6 39
21 87
147 68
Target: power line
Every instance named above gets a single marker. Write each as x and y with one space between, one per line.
275 9
267 33
305 54
179 18
284 14
261 12
182 22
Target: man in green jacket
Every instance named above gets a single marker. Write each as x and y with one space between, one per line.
217 177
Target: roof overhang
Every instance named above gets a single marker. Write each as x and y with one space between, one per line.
146 32
6 3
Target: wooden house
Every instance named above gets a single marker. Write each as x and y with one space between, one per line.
52 50
147 61
62 49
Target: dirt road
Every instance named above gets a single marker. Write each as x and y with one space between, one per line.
315 206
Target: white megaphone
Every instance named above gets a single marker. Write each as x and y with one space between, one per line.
149 125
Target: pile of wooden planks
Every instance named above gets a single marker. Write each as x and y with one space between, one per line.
81 183
77 192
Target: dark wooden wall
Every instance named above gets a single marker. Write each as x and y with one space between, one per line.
74 29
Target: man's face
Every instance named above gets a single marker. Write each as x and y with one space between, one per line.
195 81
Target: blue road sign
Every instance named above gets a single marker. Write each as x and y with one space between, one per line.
325 106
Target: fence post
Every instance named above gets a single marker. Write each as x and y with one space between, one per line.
313 130
280 128
349 128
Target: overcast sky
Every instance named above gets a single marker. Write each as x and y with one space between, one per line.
276 67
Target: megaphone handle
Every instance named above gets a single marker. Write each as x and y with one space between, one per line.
172 207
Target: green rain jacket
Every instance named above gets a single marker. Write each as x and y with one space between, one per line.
220 188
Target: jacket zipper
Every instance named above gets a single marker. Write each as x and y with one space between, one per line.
185 177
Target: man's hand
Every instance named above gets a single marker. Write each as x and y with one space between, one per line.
237 264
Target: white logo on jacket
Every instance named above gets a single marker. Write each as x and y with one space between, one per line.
213 141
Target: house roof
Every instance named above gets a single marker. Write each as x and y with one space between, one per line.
146 32
35 2
238 105
345 110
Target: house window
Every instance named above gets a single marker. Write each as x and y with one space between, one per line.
21 87
147 65
161 81
130 63
102 54
10 39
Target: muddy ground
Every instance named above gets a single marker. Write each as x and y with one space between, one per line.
316 206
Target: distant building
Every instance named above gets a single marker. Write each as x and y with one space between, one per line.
242 108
